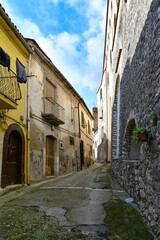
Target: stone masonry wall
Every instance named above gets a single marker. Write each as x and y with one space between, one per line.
139 98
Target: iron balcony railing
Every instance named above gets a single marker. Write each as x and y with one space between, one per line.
53 112
9 86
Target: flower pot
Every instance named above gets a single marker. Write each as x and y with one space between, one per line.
143 137
153 123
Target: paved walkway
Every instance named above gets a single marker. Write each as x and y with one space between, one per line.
68 207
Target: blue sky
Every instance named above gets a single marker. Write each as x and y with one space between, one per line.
71 33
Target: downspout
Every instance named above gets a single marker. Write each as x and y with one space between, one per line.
80 100
79 119
28 127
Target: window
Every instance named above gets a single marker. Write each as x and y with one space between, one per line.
21 73
102 133
71 140
50 90
110 57
4 59
118 5
50 105
82 119
61 145
89 127
101 114
91 150
100 93
118 59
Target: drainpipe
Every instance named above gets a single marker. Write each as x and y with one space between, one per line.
28 129
79 118
79 127
80 100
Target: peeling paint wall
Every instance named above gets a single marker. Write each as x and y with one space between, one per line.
65 136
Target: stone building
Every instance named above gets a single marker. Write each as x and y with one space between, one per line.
58 143
95 132
131 82
86 145
95 118
14 55
102 134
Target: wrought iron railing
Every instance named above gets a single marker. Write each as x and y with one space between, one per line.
9 86
53 108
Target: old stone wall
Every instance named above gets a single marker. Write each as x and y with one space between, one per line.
141 179
139 99
139 88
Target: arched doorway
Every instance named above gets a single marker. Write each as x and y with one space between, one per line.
131 150
50 156
13 156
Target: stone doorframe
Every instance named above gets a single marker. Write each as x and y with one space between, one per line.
56 152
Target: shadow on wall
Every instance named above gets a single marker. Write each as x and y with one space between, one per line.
140 81
102 150
139 98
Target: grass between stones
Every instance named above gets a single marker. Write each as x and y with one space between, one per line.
124 222
22 223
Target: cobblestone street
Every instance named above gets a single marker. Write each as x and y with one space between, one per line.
70 207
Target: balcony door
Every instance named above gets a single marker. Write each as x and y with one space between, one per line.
49 156
50 90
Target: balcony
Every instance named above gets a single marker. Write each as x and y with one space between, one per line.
9 89
53 112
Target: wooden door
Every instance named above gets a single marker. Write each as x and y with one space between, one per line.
12 160
49 156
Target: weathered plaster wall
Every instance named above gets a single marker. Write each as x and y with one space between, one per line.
67 156
86 135
65 153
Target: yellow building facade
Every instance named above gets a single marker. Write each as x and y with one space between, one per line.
86 150
14 139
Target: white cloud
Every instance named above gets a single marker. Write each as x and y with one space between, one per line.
78 57
31 29
62 49
96 7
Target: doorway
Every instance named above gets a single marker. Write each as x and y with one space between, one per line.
81 153
49 156
13 156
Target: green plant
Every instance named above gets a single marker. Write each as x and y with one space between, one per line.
154 118
138 131
120 216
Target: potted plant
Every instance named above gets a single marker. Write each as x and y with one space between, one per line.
153 119
141 134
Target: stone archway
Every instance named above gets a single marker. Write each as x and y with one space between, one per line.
131 150
13 156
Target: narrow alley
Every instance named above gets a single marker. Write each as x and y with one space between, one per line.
87 204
